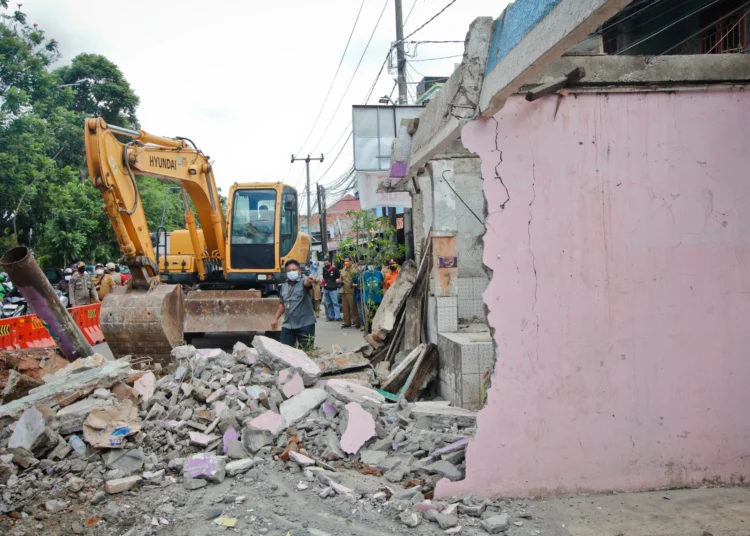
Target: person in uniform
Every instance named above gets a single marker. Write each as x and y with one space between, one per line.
114 274
348 305
82 290
102 281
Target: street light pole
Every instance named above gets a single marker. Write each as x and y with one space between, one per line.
307 165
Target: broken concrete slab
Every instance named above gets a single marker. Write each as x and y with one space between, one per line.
495 524
269 421
235 450
125 461
239 467
253 439
360 428
33 433
335 363
279 356
293 385
202 440
71 417
298 407
205 466
373 457
121 484
463 417
301 459
229 436
245 355
18 386
106 375
394 300
348 391
145 385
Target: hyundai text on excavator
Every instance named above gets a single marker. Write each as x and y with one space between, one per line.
224 264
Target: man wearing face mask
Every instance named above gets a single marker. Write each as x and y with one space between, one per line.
116 277
64 285
391 275
82 290
296 304
102 281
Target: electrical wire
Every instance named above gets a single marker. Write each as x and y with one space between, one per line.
367 46
651 3
436 15
726 34
409 14
666 27
441 58
670 49
646 22
460 198
330 88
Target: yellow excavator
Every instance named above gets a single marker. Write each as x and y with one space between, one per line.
226 266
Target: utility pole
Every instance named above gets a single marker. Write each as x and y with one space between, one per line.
403 95
307 165
323 221
403 99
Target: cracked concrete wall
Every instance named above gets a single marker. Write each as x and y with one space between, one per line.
618 237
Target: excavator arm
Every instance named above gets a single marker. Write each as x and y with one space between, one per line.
112 168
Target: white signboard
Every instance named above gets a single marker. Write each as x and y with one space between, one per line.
374 129
369 197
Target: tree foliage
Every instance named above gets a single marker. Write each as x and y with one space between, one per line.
371 240
47 200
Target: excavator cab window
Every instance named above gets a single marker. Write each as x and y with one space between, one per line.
253 229
288 221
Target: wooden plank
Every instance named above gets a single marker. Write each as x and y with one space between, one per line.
550 87
400 374
420 372
413 323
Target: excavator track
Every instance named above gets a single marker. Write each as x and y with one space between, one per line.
144 323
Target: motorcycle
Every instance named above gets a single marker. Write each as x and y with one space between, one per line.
14 306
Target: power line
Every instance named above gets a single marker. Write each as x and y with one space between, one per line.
670 49
436 15
353 75
645 23
341 61
409 15
666 27
433 42
441 58
336 158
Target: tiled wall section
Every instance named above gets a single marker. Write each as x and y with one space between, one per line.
470 304
464 357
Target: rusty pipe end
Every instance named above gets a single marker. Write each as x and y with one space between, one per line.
14 256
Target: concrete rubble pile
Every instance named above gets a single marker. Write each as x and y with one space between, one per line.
100 428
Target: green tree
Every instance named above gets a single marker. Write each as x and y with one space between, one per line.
100 89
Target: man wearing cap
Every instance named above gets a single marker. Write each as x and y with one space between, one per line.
391 275
82 291
116 277
102 281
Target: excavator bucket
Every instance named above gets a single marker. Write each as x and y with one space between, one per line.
222 311
144 323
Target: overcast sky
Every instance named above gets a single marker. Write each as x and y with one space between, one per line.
246 79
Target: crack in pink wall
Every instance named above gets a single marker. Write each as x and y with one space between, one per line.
618 238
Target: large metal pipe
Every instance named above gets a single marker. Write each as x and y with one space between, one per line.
26 275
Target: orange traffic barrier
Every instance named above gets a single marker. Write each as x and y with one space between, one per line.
30 332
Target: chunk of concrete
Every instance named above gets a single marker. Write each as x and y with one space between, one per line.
255 391
292 386
205 466
229 436
301 459
33 434
71 417
495 524
298 407
269 421
446 521
411 518
125 461
332 449
121 484
245 355
393 300
202 440
360 428
279 356
145 385
253 439
349 391
373 457
235 450
238 467
446 469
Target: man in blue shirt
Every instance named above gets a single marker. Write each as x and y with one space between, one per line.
373 290
296 304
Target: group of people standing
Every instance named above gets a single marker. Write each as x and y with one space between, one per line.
85 289
361 286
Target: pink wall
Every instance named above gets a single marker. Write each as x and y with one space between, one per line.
620 297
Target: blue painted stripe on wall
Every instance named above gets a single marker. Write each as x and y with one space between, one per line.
515 22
